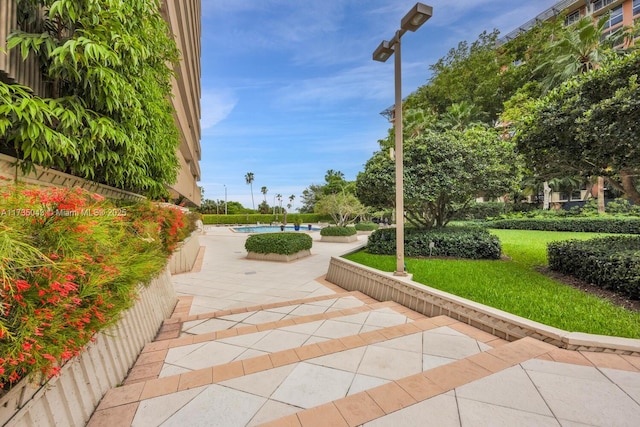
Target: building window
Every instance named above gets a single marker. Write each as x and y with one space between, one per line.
576 195
599 4
615 17
572 18
636 7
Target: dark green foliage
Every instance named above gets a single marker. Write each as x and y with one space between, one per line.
461 242
278 243
444 172
366 226
338 231
611 263
593 225
587 126
262 219
483 210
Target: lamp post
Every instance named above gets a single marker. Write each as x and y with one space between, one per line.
413 20
225 198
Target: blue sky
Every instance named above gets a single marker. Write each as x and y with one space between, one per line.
289 89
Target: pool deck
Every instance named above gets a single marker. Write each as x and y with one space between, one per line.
261 343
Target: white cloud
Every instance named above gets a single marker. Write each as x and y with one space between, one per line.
216 106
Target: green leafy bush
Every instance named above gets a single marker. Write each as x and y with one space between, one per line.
461 242
611 263
618 225
338 231
278 243
482 211
367 226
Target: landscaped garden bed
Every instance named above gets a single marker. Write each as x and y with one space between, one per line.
335 234
70 263
283 247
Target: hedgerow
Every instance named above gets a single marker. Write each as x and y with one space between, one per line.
618 225
611 263
461 242
367 226
212 219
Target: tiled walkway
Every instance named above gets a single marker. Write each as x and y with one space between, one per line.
257 343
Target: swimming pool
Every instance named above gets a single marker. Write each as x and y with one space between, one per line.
270 228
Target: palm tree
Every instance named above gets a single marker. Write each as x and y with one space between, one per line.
579 49
291 198
460 116
264 190
249 179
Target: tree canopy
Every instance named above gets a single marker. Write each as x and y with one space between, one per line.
587 126
444 172
108 116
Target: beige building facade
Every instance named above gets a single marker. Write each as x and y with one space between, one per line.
620 13
184 19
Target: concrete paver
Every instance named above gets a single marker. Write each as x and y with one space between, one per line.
379 365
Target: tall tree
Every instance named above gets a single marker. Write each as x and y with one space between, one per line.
249 180
588 126
444 172
264 190
577 49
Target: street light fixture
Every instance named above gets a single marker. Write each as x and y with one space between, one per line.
417 16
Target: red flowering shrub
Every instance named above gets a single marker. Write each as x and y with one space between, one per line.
69 265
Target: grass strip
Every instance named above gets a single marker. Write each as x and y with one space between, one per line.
516 287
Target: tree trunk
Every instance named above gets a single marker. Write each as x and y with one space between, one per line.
547 196
601 195
629 185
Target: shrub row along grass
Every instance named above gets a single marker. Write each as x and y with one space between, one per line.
338 231
367 226
461 242
619 225
211 219
516 287
611 263
278 243
70 263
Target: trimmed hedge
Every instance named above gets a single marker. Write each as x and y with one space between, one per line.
278 243
616 225
460 242
611 263
367 226
338 231
261 218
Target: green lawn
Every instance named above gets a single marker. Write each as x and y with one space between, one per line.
516 287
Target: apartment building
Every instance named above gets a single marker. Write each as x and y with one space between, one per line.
621 13
184 19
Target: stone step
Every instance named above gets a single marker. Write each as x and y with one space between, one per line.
279 376
181 322
398 396
242 341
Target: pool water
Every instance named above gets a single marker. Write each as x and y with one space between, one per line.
271 228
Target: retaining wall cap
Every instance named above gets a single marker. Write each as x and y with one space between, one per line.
591 340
